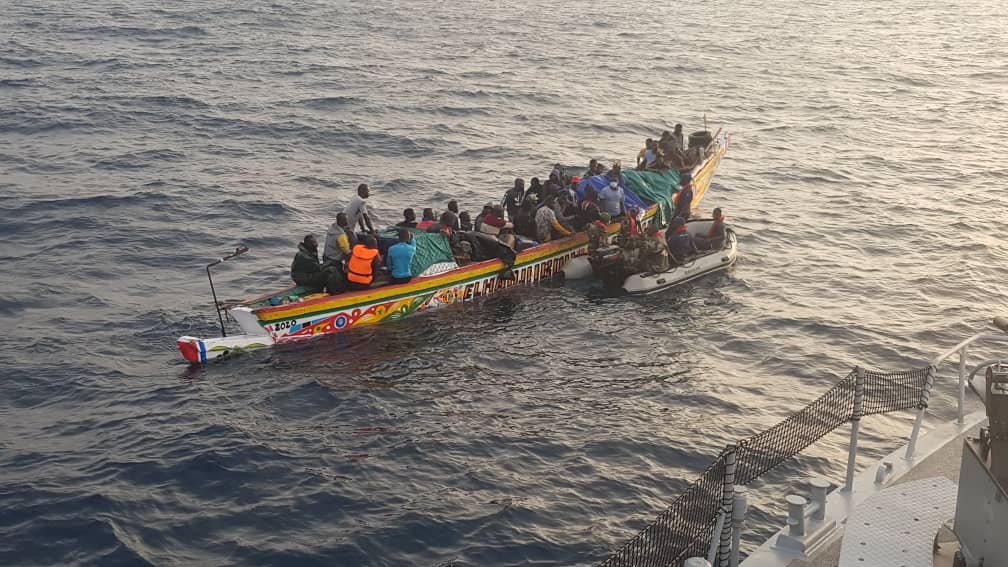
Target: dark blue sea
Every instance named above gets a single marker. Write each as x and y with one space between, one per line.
140 140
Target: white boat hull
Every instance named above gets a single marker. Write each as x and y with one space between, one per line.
652 282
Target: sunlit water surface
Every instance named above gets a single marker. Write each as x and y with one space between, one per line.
140 140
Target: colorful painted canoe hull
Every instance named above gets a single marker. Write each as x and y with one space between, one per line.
266 325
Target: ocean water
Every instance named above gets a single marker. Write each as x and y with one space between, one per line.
140 140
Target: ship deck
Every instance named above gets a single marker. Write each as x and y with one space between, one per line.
942 461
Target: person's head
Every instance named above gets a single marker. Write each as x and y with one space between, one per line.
718 215
519 185
464 218
649 143
534 183
453 206
405 235
678 128
592 164
497 211
554 178
428 214
362 191
666 135
678 222
409 215
448 219
575 181
487 209
341 220
310 242
371 242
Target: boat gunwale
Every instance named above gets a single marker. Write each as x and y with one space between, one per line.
426 284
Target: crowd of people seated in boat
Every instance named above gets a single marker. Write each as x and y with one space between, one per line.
525 217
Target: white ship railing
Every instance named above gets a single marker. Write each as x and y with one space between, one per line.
710 514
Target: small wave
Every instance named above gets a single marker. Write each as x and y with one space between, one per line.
20 62
142 33
135 160
329 102
17 83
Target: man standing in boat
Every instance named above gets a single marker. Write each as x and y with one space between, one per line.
357 211
684 198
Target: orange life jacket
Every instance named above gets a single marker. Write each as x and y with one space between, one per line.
359 268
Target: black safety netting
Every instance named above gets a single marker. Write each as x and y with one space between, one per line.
686 528
764 451
682 530
892 391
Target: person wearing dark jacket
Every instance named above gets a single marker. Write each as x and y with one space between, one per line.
513 198
409 219
535 188
307 271
479 218
680 242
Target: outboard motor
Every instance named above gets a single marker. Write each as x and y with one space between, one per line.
609 266
997 414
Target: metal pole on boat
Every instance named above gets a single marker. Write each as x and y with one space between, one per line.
859 383
715 543
727 501
738 521
238 252
962 384
921 408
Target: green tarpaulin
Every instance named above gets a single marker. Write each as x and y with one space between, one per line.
431 249
657 188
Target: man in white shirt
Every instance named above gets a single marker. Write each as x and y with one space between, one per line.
357 212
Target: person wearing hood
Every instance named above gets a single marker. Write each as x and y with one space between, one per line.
684 198
307 271
680 242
